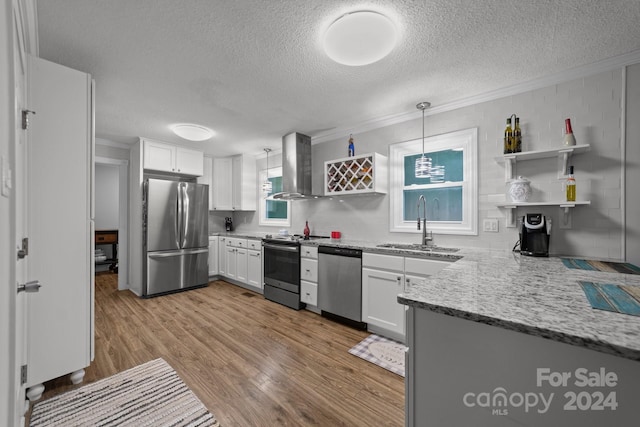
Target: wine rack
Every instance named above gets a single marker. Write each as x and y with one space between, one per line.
356 175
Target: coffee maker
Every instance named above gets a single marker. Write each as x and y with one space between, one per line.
228 224
534 235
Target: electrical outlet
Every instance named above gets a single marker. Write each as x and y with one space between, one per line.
490 225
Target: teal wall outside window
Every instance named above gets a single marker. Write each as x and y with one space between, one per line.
444 203
276 209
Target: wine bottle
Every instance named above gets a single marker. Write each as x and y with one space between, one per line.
508 138
352 148
571 186
569 139
517 137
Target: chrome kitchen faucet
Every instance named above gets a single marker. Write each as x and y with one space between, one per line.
425 240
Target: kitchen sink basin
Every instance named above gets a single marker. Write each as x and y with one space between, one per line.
417 247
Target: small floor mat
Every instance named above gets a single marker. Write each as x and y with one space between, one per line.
593 265
151 395
384 352
610 297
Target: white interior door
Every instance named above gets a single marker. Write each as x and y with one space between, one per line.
20 213
60 165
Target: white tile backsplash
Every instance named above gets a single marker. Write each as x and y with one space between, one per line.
594 106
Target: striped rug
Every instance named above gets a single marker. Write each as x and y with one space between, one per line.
150 394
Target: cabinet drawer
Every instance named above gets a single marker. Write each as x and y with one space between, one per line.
236 242
106 237
383 262
256 245
424 267
309 269
309 252
309 293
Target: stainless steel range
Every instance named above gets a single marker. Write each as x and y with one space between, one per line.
282 269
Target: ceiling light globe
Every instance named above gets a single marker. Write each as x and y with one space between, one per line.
191 131
360 38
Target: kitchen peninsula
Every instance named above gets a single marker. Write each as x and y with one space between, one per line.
499 339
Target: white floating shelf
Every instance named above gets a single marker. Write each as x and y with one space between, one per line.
565 206
544 154
562 153
513 205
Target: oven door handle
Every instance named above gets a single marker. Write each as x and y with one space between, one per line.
281 247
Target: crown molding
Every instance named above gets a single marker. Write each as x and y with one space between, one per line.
107 143
604 65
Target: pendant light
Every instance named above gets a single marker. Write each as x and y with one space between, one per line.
267 186
423 163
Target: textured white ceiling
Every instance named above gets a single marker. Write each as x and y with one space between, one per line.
254 70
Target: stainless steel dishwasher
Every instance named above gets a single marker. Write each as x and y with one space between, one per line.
340 285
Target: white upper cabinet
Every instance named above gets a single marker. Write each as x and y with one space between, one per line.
221 183
162 157
234 183
245 183
207 178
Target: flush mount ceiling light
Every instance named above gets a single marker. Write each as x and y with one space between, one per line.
423 163
192 132
360 38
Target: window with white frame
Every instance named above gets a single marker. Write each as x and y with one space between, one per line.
451 192
273 212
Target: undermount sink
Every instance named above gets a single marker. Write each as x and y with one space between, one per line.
417 247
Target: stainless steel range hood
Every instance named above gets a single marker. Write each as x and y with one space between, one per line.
296 167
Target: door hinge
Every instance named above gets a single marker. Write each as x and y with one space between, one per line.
25 248
25 118
23 374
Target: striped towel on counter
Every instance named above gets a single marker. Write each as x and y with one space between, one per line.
593 265
617 298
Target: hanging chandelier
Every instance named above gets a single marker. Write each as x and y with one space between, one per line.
423 163
267 186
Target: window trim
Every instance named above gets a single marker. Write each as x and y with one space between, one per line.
466 139
262 201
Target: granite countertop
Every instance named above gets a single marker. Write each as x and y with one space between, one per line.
537 296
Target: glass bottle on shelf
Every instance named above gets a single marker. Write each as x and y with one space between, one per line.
517 137
508 138
569 139
570 186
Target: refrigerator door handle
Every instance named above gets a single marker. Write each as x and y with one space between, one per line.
179 216
185 214
177 253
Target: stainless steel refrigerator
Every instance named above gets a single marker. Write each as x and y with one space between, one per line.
176 236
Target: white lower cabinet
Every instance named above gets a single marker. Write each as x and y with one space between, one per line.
213 255
222 256
231 267
254 268
383 278
241 265
380 306
242 261
309 292
309 275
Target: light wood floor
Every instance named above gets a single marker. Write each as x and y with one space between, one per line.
252 362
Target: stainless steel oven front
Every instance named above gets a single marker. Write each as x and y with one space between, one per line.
282 272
